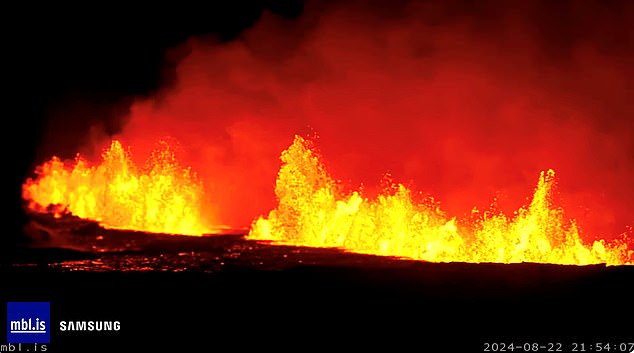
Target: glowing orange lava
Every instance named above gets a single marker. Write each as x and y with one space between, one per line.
313 211
160 197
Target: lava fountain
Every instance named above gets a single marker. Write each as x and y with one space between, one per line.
313 211
160 197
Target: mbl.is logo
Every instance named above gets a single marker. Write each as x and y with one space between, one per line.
28 322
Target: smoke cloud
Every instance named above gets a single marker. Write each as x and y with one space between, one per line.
466 101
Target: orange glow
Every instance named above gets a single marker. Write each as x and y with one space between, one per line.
160 197
313 211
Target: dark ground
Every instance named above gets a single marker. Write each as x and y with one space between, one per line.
201 294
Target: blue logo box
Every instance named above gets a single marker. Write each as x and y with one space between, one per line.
28 322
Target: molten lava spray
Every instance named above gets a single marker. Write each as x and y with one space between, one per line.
160 197
312 211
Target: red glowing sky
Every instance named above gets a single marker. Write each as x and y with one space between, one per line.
462 103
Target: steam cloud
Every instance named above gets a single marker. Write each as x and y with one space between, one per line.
465 101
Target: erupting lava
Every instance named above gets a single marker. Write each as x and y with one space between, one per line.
164 197
161 197
313 211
